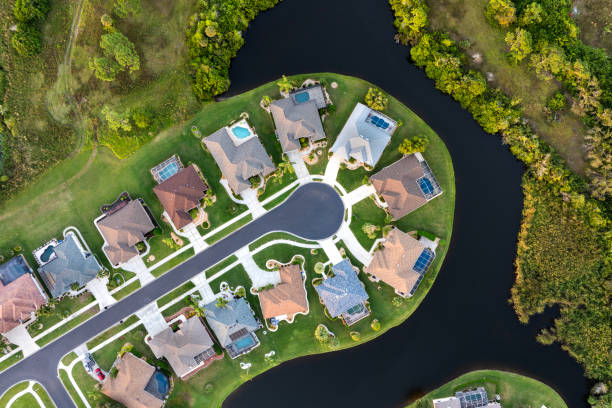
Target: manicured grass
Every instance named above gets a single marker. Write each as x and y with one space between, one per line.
275 184
4 364
10 393
180 258
175 293
270 205
132 287
177 306
64 308
43 396
111 332
321 164
106 355
85 383
159 249
118 277
229 229
367 212
466 20
68 358
71 324
277 235
235 277
351 179
63 374
223 264
515 390
25 401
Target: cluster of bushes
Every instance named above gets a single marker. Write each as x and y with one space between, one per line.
27 38
214 36
119 53
544 31
376 99
444 62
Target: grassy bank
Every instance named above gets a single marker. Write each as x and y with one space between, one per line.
515 390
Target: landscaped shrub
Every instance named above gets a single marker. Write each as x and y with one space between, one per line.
322 334
397 301
375 325
413 145
113 372
285 84
376 99
319 268
221 302
355 336
241 292
126 348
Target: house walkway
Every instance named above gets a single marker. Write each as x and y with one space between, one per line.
331 171
20 337
259 277
358 194
98 288
331 250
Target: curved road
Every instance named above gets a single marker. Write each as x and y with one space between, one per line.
314 211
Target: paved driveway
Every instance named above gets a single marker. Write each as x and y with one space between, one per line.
250 199
259 277
100 291
152 319
137 265
298 165
320 212
20 336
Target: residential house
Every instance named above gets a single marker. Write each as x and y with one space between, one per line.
239 154
188 349
20 293
475 398
122 229
287 298
234 325
406 185
364 136
297 117
402 262
180 193
137 384
343 294
69 264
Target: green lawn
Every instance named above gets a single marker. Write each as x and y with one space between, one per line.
367 212
64 308
111 332
223 264
106 355
86 383
69 325
280 198
11 360
275 184
132 287
351 179
277 235
229 229
25 401
63 374
68 358
43 396
321 164
515 390
10 393
175 293
180 258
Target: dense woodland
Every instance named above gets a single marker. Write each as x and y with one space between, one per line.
565 242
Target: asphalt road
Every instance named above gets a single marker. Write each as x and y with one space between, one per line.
314 211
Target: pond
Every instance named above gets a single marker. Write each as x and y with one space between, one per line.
465 322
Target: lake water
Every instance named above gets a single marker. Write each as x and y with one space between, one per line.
465 322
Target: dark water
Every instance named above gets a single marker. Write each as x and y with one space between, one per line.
465 322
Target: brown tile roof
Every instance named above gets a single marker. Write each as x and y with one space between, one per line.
295 121
181 193
181 346
393 264
397 183
128 387
18 300
123 229
288 297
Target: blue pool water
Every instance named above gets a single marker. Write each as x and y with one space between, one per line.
46 255
170 170
302 97
425 185
162 383
241 132
244 342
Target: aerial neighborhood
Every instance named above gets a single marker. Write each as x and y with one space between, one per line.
234 307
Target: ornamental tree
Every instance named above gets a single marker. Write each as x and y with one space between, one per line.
519 44
376 99
413 145
501 12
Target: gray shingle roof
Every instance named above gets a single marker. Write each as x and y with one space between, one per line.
362 140
294 121
71 265
343 291
225 321
238 163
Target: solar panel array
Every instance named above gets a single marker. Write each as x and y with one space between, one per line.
473 399
240 333
424 261
205 355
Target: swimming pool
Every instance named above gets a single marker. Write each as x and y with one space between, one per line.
241 132
158 385
170 170
244 342
47 253
302 97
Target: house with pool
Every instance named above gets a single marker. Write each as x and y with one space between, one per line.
67 264
180 190
234 324
364 136
188 349
343 294
20 294
135 383
406 185
297 118
286 299
239 154
471 398
402 262
125 226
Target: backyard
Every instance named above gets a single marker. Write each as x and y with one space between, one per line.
515 390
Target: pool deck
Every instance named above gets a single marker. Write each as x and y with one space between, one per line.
157 170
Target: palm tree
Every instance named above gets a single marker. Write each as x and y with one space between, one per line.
285 85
